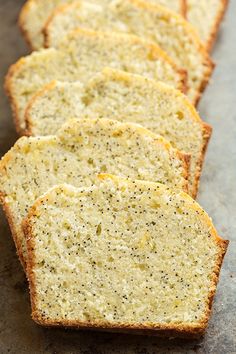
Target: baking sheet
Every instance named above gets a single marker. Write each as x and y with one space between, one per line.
19 334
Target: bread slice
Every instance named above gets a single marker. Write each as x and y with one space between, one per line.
169 30
206 17
89 53
125 97
79 151
35 14
122 255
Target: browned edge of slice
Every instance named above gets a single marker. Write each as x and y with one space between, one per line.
9 92
211 65
206 134
184 8
8 214
23 13
220 16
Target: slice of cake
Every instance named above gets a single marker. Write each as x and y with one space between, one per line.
122 255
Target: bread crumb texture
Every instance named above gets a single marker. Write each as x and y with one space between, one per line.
122 253
81 150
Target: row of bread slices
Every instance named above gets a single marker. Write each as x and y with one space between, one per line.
167 47
205 15
93 252
167 226
109 105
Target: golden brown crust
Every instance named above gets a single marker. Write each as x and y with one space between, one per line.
206 134
206 60
210 65
194 330
184 8
223 245
174 331
9 91
186 159
184 88
8 213
215 29
21 23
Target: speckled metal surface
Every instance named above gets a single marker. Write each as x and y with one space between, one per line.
19 334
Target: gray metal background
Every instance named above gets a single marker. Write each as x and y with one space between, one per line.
18 333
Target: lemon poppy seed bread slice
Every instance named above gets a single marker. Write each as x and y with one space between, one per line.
35 14
88 54
169 30
79 151
122 255
206 16
125 97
